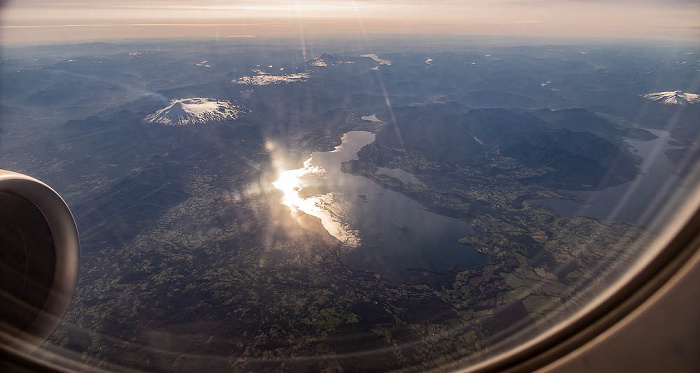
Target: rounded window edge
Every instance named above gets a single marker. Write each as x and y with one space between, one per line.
667 256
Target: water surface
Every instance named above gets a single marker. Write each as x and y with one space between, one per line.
382 230
397 173
635 201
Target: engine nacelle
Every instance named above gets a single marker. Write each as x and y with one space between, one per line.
39 258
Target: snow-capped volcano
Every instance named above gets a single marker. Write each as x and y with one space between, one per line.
673 98
325 60
186 111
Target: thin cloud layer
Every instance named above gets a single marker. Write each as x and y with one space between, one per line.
30 21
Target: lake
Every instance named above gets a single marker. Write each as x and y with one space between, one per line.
636 201
382 230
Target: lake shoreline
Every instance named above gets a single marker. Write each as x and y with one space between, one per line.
628 202
383 230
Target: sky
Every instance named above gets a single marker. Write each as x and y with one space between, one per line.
52 21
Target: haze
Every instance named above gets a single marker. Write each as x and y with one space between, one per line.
42 21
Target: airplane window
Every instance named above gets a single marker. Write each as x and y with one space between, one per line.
349 186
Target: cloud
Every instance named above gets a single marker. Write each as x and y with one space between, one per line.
623 18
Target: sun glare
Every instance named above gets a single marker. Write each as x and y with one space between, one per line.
290 183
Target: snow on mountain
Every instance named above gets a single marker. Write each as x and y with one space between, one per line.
371 118
325 60
264 78
673 98
187 111
377 59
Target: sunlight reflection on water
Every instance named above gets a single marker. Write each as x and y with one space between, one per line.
327 207
386 232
